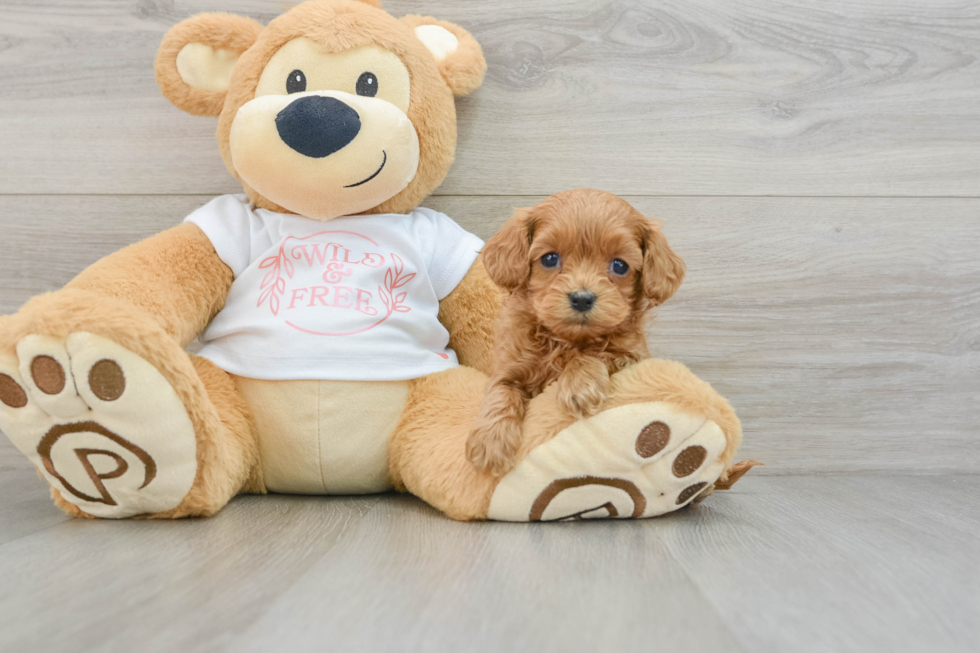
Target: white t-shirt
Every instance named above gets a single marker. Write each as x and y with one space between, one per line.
355 298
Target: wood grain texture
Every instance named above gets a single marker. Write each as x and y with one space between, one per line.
846 332
26 506
68 586
652 97
443 586
862 563
852 563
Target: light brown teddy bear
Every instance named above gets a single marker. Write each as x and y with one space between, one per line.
346 332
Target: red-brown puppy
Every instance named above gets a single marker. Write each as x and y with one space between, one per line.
582 268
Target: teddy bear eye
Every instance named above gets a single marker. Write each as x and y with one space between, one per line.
550 260
296 82
367 85
619 267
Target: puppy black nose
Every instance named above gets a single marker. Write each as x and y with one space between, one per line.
317 126
581 301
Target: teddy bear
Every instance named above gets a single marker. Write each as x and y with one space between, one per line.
347 332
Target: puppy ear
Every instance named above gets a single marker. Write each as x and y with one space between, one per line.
457 54
505 256
195 60
663 270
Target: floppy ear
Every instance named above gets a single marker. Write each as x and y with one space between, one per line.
663 270
195 60
505 256
458 55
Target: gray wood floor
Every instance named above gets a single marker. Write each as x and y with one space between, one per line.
780 563
818 167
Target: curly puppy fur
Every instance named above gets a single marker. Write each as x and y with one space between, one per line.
583 269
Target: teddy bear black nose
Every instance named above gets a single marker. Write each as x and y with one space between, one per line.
317 126
581 301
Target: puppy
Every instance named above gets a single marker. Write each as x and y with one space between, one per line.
582 270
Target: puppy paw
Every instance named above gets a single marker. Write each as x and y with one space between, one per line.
582 402
582 387
492 446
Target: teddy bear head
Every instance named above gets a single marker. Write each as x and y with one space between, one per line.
334 108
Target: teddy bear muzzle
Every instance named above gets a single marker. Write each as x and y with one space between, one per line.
324 154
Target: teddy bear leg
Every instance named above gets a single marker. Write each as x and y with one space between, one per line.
661 440
232 466
118 436
427 451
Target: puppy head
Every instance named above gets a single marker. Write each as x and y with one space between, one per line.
588 262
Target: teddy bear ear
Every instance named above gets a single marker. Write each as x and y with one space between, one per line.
195 61
457 54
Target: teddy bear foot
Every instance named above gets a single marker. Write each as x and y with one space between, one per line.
638 460
100 423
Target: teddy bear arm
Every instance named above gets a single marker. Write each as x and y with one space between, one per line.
468 313
175 278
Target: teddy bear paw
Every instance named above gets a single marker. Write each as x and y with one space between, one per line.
638 460
102 425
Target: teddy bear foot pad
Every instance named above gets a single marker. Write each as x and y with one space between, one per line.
638 460
102 425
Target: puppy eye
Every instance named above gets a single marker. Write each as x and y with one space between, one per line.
367 85
296 82
619 267
550 260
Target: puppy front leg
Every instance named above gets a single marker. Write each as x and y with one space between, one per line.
496 435
583 385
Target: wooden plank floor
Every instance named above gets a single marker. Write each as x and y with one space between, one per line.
793 563
818 167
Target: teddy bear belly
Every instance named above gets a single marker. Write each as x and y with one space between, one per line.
325 437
